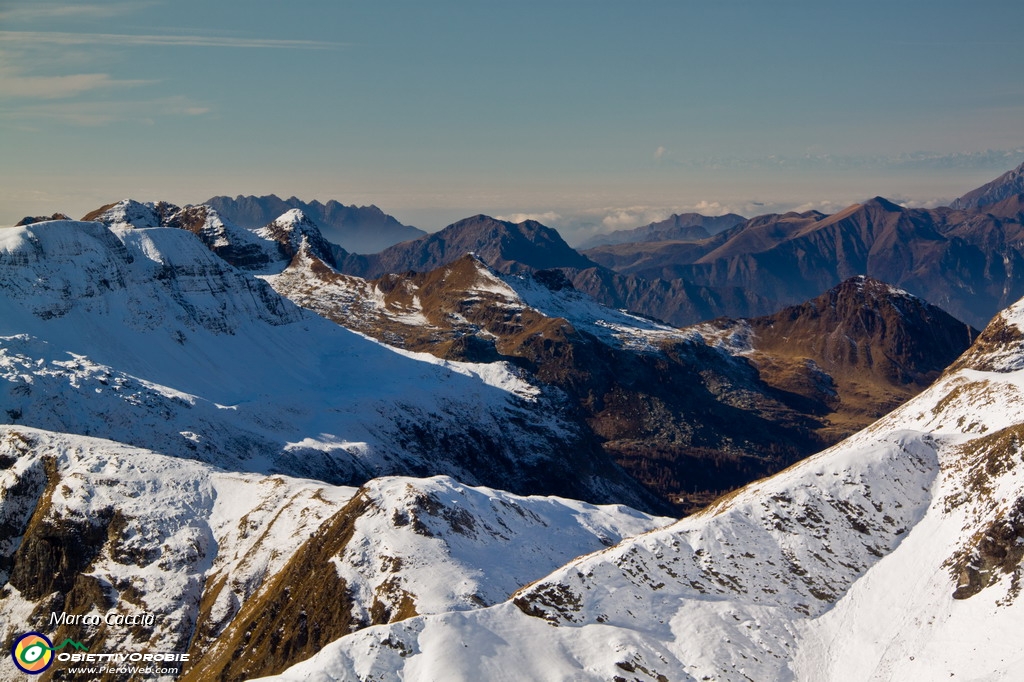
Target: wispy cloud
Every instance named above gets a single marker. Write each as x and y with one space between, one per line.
922 160
91 114
36 38
547 218
13 84
60 10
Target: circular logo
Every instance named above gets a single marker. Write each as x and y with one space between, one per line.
32 653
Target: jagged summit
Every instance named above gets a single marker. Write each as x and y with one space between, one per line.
293 229
358 229
1007 185
129 213
268 249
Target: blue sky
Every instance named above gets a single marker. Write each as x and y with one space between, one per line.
591 115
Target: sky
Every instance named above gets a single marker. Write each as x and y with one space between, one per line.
588 116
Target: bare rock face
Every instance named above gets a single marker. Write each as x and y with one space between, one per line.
293 229
676 301
28 220
877 345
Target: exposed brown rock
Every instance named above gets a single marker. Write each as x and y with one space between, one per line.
300 610
863 348
29 220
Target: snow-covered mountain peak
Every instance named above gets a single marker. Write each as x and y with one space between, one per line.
147 337
1000 347
293 231
294 217
128 214
152 279
110 528
234 244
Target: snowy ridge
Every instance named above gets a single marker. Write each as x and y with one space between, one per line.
153 530
359 303
129 214
195 545
290 227
615 327
460 547
105 331
893 555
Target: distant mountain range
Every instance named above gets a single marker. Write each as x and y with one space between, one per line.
358 229
678 226
969 260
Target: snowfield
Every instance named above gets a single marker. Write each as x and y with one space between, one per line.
146 337
894 555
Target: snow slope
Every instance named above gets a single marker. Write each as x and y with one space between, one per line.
144 336
150 531
198 546
894 555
